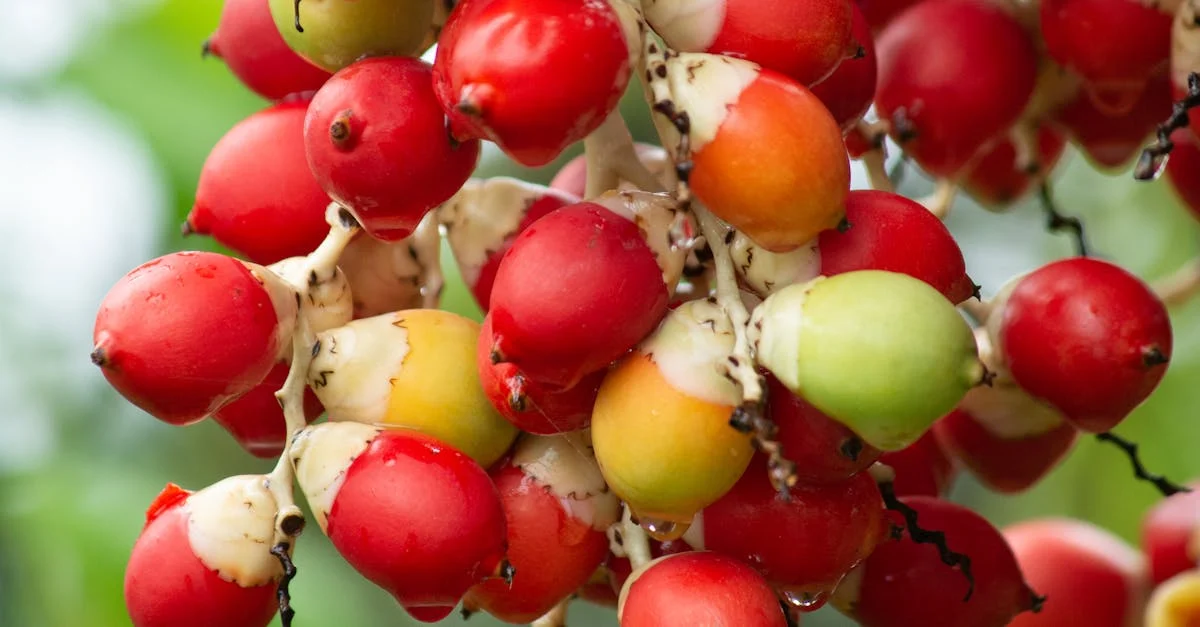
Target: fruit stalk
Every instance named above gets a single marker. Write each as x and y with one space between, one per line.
629 540
1179 286
556 617
611 157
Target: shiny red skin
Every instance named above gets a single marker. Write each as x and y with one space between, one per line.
396 161
849 90
607 294
905 584
543 411
279 211
186 333
420 520
166 585
1003 465
248 42
823 449
961 71
1110 43
1171 535
804 545
994 180
619 568
255 419
1183 170
804 40
1111 142
517 62
922 468
1083 571
1076 332
879 12
890 232
553 552
482 288
700 588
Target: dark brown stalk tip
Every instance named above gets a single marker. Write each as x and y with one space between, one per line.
186 229
469 107
206 48
851 448
296 23
292 525
844 225
1036 601
506 572
347 219
100 357
339 131
286 613
1152 356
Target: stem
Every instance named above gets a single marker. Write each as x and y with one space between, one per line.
556 617
942 199
611 158
1150 164
924 536
877 175
627 539
978 309
1056 221
1179 286
1164 485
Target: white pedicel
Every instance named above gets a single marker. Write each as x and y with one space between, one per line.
566 464
706 86
321 455
654 214
687 25
231 525
691 349
766 272
328 304
352 370
283 299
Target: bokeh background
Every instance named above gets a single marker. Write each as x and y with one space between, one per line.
107 112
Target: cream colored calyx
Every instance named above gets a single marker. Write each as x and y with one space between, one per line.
692 347
688 25
321 455
776 332
284 301
352 370
766 272
655 216
327 302
231 525
706 86
567 465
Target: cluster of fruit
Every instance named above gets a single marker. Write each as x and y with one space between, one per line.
714 386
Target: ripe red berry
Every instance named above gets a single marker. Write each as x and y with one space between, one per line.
1183 169
377 142
921 469
880 12
255 418
824 450
557 509
849 90
996 181
890 232
1171 535
425 546
608 293
184 334
508 71
1110 140
905 584
953 74
803 545
1085 336
1090 577
277 213
698 588
248 42
204 558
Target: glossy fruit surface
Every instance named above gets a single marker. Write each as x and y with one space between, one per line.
698 588
849 90
255 418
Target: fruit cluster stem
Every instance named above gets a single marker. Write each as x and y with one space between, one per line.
942 199
611 158
1179 286
629 540
556 617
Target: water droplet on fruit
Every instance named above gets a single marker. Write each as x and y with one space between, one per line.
663 530
1150 166
804 600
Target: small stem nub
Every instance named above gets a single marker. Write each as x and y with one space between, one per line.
925 536
1036 601
1056 221
1153 356
296 23
1164 485
1152 160
286 613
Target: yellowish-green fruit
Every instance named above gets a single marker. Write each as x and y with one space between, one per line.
337 33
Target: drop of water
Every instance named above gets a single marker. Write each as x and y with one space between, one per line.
663 530
1149 166
805 600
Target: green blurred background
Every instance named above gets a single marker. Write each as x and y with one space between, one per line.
107 112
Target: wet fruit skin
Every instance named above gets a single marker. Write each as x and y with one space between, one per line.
186 333
255 418
1113 44
277 213
698 588
1087 337
248 42
376 140
338 33
823 449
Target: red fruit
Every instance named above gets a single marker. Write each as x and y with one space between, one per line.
804 545
1008 440
959 73
904 584
607 293
279 211
184 334
248 42
203 558
880 12
921 469
1171 535
425 546
1111 141
1085 336
255 419
996 180
557 509
698 588
531 406
849 90
1183 169
1090 577
377 142
823 449
804 40
890 232
619 568
508 71
1115 45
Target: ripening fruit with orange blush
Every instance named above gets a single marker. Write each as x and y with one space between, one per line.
768 156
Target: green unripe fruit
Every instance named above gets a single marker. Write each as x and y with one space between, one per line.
336 33
881 352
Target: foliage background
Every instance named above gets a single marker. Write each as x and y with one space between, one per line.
107 113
